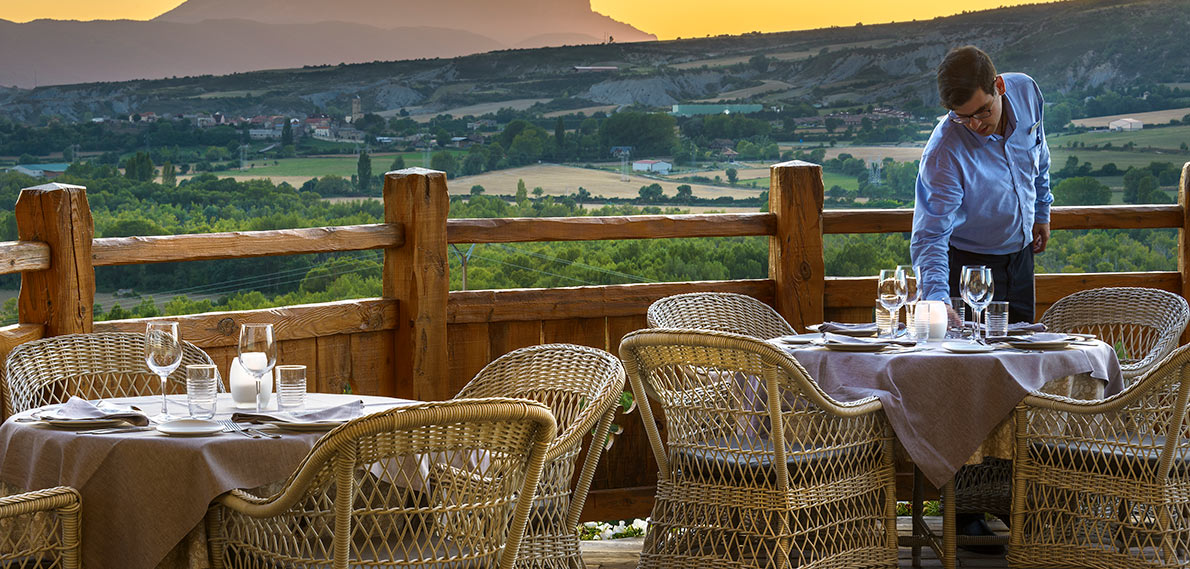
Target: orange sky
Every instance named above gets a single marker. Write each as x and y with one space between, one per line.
665 18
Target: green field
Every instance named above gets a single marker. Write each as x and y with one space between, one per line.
343 166
1122 159
1168 137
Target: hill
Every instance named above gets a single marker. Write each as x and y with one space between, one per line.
1067 46
205 37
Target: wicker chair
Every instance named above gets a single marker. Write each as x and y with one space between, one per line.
1105 483
761 468
429 485
91 366
40 529
721 311
581 386
1143 323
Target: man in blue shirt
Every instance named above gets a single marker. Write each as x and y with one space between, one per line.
983 186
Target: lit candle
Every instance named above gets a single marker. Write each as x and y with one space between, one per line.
242 383
931 315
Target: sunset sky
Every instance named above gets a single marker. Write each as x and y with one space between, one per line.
665 18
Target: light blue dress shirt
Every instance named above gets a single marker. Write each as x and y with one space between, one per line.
981 194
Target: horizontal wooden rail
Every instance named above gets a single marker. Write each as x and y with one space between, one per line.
20 256
1064 217
237 244
220 329
530 229
861 291
476 306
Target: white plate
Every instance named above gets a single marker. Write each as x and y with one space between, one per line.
852 333
966 348
190 427
798 338
1061 345
856 347
310 426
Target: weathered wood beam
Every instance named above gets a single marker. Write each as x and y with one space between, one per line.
238 244
537 229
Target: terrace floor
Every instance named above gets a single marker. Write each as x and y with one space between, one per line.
623 553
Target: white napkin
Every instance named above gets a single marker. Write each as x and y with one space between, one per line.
76 409
337 414
1042 337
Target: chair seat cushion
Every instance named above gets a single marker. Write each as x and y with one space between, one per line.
1127 456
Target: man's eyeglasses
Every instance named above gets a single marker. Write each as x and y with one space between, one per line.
977 115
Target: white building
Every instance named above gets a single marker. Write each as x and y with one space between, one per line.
1125 125
655 166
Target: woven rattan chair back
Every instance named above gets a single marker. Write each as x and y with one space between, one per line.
40 529
761 468
1105 483
429 485
92 366
720 311
581 386
1144 324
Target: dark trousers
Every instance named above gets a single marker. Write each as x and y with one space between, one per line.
1012 278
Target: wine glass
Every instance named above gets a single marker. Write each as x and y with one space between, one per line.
976 285
912 293
258 354
891 290
163 354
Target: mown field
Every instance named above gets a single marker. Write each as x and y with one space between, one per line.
1169 137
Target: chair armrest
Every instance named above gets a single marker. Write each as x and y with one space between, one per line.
62 498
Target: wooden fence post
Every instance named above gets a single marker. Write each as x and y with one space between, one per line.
62 297
1184 239
418 275
795 250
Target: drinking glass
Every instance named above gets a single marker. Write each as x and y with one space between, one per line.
912 292
291 386
976 284
997 318
258 354
960 310
890 291
163 354
202 386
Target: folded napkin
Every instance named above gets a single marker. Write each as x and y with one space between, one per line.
77 409
832 338
860 328
337 414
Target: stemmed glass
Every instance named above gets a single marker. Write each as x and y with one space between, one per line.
912 291
258 355
891 291
163 354
976 285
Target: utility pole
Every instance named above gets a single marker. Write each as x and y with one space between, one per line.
463 258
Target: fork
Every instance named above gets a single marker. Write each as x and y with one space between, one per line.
235 427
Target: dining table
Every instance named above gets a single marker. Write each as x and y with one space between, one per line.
950 403
144 492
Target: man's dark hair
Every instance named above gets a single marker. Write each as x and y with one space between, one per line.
962 71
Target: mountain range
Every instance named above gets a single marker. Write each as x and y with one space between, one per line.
217 37
1071 46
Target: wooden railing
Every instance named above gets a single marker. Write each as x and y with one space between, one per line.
421 341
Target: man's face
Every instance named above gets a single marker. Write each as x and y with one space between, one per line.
982 112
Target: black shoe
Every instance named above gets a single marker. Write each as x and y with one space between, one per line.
979 527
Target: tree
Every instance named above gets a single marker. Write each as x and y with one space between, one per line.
286 134
476 190
139 167
651 193
538 192
363 169
732 175
1081 190
398 163
522 192
560 133
831 123
444 161
582 196
169 176
685 194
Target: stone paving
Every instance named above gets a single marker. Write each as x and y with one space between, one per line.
623 553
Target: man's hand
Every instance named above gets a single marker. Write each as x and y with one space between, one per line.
1041 236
